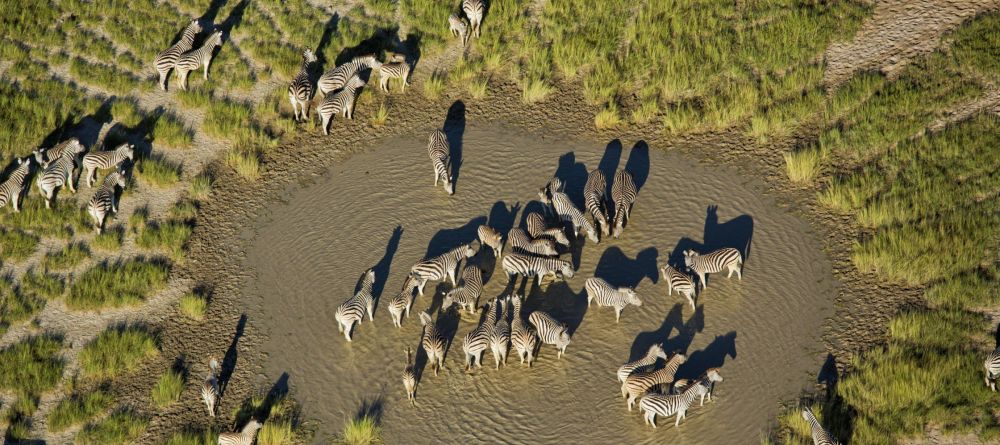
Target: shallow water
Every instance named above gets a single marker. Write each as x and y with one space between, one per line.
379 209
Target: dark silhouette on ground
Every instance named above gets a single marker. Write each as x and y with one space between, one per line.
736 233
372 409
232 354
609 162
329 29
673 320
383 267
454 129
713 356
447 239
828 375
232 21
573 175
619 270
558 300
638 164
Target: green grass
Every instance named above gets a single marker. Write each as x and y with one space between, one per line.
62 220
40 284
31 366
109 240
803 165
120 428
117 351
78 409
16 245
380 116
17 305
168 388
429 20
245 163
276 432
70 256
535 90
158 171
184 210
200 187
975 46
193 438
111 285
193 305
434 85
609 117
105 76
168 237
361 431
18 418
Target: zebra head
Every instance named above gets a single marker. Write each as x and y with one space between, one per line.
619 226
592 234
425 318
449 186
194 26
548 247
118 178
680 384
566 269
75 147
630 296
562 340
689 256
308 56
251 427
657 351
215 39
469 250
712 375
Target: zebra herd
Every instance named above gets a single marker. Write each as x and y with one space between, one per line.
181 58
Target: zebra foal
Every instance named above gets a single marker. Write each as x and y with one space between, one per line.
459 28
354 309
246 436
102 160
713 262
300 91
490 237
402 302
992 365
679 281
607 295
104 201
394 70
12 188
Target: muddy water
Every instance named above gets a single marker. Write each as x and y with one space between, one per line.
379 209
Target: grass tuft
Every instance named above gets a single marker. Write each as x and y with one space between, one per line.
246 164
31 366
16 245
78 409
68 257
117 351
168 388
158 171
109 240
363 430
434 85
120 428
112 285
193 305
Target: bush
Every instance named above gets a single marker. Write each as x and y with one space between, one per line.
168 388
193 305
31 366
120 428
117 351
123 283
78 409
16 245
68 257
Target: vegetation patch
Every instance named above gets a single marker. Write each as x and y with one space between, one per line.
110 239
68 257
168 388
16 245
158 171
193 438
168 236
122 283
41 284
193 305
78 409
16 305
31 366
120 428
117 351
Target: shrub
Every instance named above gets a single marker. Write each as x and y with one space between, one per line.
123 283
78 409
68 257
193 305
16 245
117 351
120 428
168 388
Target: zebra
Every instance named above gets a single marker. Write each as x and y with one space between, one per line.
166 60
340 103
44 156
59 172
992 365
401 302
550 331
394 70
478 339
438 149
522 336
607 295
637 383
679 281
442 266
537 228
246 436
300 91
711 377
655 352
104 201
353 310
820 436
532 266
474 10
500 335
490 237
410 378
726 258
433 341
562 206
467 295
12 189
520 241
666 405
210 387
459 28
100 160
678 386
593 197
201 57
623 194
339 76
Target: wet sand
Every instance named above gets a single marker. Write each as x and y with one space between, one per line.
379 209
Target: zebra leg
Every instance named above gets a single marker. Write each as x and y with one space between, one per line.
406 81
680 415
631 401
207 62
326 125
690 300
184 79
69 181
384 83
618 313
371 312
163 80
15 201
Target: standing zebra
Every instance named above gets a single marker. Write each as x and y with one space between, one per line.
442 266
607 295
714 262
338 77
59 172
679 281
438 149
340 103
537 228
433 341
637 383
666 405
353 310
166 60
623 194
394 70
246 436
532 266
490 237
992 365
210 387
45 156
655 352
519 241
522 336
104 201
12 189
459 27
410 378
820 436
300 92
563 206
550 331
467 295
401 302
101 160
500 335
474 10
593 197
478 339
201 57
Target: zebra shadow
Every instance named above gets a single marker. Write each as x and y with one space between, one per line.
638 164
208 17
609 163
232 355
501 219
573 175
661 335
329 29
232 20
379 41
828 376
558 300
384 265
534 206
454 129
736 233
447 324
620 270
447 239
713 356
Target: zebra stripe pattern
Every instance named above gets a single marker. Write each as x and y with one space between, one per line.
104 201
679 281
532 266
354 309
12 188
340 103
522 336
490 237
474 10
246 436
478 339
520 241
402 302
210 387
992 365
537 228
655 352
432 341
441 266
820 436
665 405
166 60
46 156
410 378
623 194
58 173
593 197
638 383
459 28
300 92
550 331
568 212
607 295
467 295
438 149
201 57
101 160
394 70
714 262
338 77
500 335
